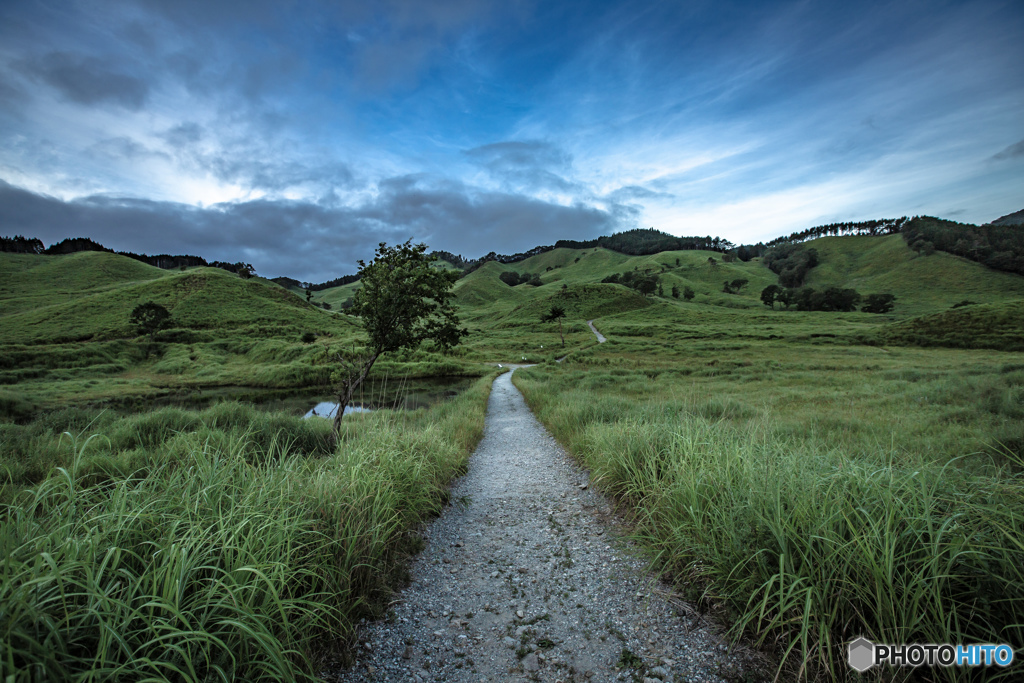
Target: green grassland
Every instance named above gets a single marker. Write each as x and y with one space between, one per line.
65 335
792 470
226 544
922 284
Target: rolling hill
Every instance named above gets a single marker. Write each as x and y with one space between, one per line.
64 319
90 295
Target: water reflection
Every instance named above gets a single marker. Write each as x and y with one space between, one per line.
394 394
327 409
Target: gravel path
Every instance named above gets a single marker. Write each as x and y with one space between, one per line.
528 576
600 337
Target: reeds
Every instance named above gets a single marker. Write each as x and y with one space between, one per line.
213 552
808 546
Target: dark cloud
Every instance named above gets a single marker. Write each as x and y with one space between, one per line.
1011 152
86 80
530 164
306 240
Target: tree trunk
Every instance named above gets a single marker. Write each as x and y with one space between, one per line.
560 332
348 389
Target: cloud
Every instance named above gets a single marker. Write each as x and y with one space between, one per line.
1011 152
86 80
307 240
183 134
124 147
526 165
635 192
521 155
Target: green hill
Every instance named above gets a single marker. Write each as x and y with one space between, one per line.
983 326
921 284
90 295
29 282
580 302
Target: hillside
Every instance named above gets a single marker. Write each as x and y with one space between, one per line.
921 283
983 326
30 282
1015 218
90 295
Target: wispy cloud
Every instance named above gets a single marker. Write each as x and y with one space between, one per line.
1012 152
262 127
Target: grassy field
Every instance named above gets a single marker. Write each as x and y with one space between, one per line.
65 336
811 476
225 544
818 496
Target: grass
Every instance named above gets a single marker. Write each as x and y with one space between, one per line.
991 326
65 336
219 545
813 526
816 476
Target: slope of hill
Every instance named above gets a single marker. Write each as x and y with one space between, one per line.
580 302
90 295
483 287
983 326
29 282
921 284
1015 218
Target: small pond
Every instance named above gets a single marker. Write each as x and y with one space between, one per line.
392 393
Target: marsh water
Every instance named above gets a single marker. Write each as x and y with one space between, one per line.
390 393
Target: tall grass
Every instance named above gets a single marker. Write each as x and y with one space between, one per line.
807 545
228 556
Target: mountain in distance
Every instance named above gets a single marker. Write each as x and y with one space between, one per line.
1015 218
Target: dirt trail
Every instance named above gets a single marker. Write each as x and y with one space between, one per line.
527 576
600 337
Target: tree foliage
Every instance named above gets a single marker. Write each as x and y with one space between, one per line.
1000 247
21 245
735 286
149 318
644 282
404 301
838 299
791 262
879 303
770 294
512 278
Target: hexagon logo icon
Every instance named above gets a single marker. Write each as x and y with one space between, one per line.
862 654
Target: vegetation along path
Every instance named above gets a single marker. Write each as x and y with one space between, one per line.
526 575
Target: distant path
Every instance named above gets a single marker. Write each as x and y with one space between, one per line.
600 337
526 576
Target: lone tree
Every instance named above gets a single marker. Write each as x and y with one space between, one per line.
403 301
556 313
149 318
770 294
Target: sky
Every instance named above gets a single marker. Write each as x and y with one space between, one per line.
296 135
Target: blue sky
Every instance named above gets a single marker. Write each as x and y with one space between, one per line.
297 135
